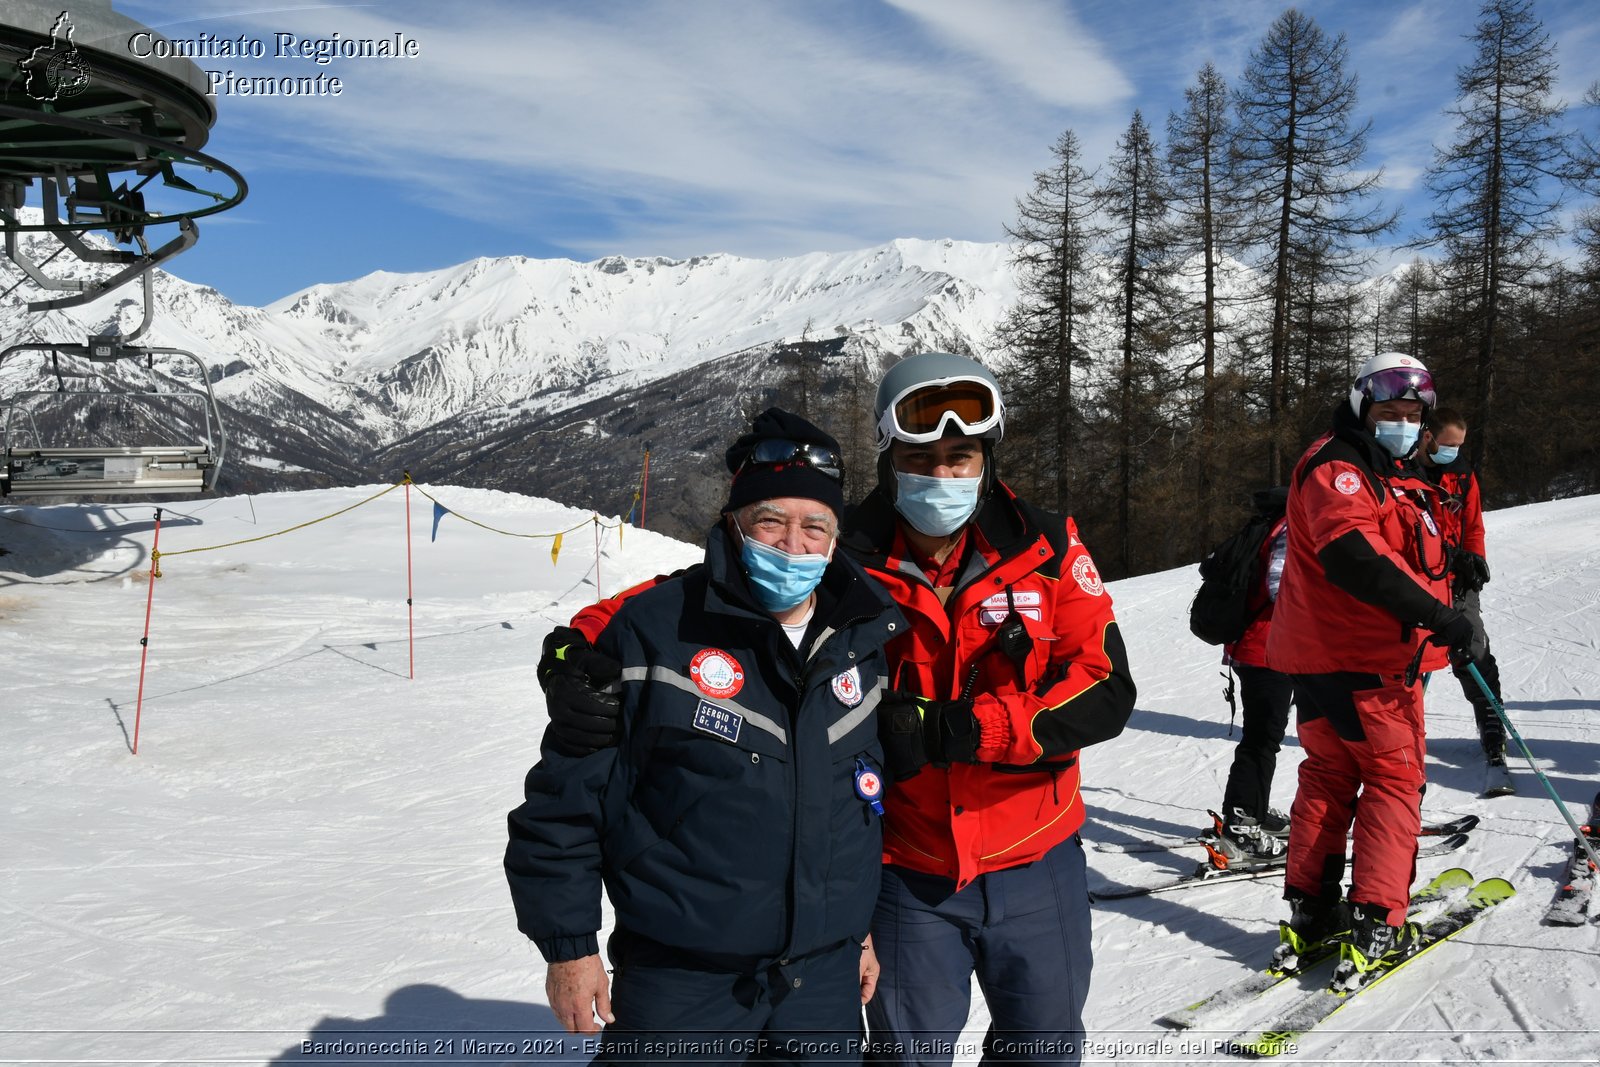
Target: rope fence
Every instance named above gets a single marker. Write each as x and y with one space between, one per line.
440 511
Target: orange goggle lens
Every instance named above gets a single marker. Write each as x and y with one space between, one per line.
924 410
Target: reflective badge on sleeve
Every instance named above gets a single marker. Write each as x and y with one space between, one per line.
869 786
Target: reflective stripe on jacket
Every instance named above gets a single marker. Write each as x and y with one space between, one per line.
727 822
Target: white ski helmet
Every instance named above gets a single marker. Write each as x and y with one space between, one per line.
925 396
1391 376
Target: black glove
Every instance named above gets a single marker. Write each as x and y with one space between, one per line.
916 731
1472 570
1461 633
584 718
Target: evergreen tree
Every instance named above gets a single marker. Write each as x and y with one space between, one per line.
1147 310
1297 157
1043 334
1197 157
1493 186
1397 323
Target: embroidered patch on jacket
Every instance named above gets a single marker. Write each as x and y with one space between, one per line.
716 672
992 617
1088 579
719 721
1348 483
847 688
994 609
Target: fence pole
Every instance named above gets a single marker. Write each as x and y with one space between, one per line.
411 615
644 496
144 642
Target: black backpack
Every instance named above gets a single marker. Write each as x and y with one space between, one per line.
1220 612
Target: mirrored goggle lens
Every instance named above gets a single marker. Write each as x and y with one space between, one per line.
1399 383
772 452
923 410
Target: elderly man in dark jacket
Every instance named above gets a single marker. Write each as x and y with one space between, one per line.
736 827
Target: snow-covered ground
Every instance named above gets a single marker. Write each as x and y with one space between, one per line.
306 848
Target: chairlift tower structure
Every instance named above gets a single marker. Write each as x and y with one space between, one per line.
101 137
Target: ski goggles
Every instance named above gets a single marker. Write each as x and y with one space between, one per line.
1398 383
925 413
778 451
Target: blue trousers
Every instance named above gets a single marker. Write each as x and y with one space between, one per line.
1023 931
673 1009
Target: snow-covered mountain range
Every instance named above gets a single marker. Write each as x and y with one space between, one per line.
534 334
336 379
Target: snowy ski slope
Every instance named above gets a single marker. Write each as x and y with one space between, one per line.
306 849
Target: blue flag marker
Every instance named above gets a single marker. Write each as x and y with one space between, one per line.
439 512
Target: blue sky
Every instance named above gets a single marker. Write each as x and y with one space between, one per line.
680 127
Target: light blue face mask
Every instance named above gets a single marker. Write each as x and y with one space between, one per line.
936 506
780 580
1397 438
1445 455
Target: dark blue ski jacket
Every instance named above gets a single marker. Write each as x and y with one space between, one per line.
727 823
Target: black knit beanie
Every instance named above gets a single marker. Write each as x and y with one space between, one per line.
766 481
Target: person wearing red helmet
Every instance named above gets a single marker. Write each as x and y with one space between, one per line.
1363 605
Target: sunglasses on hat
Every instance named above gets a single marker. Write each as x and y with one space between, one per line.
778 451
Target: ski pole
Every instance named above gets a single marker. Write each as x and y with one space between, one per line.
1583 839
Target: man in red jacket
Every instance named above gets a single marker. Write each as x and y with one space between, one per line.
1364 584
1012 662
1443 435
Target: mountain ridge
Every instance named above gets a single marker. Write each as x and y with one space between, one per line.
329 382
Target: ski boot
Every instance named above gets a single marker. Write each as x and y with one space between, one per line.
1240 842
1372 948
1494 744
1314 930
1275 823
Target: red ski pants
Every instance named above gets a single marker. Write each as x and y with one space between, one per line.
1363 735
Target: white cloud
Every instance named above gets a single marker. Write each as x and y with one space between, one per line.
732 119
770 129
1042 47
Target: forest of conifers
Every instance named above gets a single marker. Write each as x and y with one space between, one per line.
1195 305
